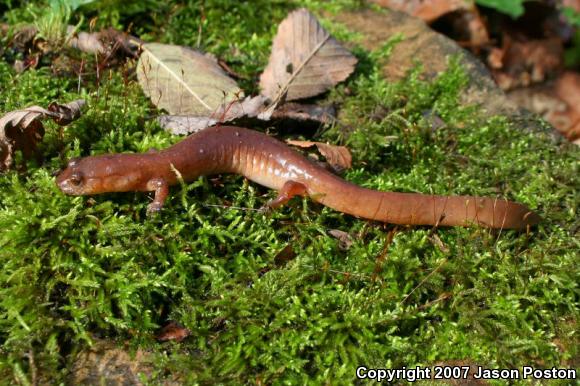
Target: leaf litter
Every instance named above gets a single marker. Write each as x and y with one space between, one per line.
23 130
305 61
197 93
183 81
531 48
338 157
110 44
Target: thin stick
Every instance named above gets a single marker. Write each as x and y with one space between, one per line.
423 281
231 207
360 275
432 302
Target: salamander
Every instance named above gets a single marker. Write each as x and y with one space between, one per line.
269 162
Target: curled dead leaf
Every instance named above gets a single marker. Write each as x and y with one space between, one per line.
525 62
187 124
63 114
284 256
301 112
23 130
85 41
23 38
344 238
172 331
105 42
338 157
567 89
184 124
435 240
557 102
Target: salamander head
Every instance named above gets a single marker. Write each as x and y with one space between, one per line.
100 174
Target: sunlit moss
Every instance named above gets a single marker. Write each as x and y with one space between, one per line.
76 267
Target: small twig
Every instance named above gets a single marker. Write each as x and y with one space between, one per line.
382 256
231 207
80 75
337 272
423 281
33 370
200 27
502 221
177 173
445 296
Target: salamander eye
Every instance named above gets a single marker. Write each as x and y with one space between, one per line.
76 179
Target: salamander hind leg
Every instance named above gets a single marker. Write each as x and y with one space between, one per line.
289 190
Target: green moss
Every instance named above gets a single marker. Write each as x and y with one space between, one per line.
79 267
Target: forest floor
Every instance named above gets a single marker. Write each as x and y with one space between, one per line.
87 282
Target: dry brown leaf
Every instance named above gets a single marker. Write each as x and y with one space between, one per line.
428 11
122 42
495 58
192 87
435 240
110 43
185 82
86 42
105 42
23 129
338 157
345 239
470 29
305 60
284 256
23 39
574 4
302 112
522 63
172 331
249 107
187 124
63 114
567 89
554 102
30 61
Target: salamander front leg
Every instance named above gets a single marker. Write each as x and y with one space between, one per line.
161 189
288 191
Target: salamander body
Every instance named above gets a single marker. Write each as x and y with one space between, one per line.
269 162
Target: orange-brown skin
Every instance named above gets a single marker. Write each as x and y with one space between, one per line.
269 162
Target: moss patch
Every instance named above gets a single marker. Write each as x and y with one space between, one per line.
79 267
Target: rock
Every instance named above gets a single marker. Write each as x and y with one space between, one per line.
424 45
106 363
